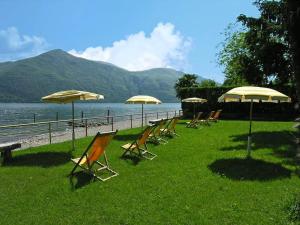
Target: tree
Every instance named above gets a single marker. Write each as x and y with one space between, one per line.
187 80
208 83
259 54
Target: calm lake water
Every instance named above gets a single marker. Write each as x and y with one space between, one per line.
15 113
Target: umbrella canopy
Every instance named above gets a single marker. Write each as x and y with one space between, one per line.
253 94
70 96
194 100
142 99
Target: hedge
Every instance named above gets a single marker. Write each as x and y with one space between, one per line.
264 111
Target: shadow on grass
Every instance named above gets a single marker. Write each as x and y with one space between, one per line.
127 137
249 169
42 159
132 159
80 179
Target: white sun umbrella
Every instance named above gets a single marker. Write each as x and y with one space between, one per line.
194 100
253 94
70 96
142 99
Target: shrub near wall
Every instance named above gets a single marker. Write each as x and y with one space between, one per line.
263 111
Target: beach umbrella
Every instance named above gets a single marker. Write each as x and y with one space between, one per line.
194 100
253 94
142 99
70 96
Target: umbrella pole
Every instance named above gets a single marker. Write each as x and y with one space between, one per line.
142 115
73 127
249 136
194 109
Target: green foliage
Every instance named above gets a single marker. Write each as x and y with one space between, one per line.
293 209
260 53
201 177
187 80
30 79
207 83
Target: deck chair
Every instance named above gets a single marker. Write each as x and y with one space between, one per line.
194 122
89 161
169 129
206 120
216 116
139 146
156 134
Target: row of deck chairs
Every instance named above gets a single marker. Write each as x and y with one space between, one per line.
213 116
90 159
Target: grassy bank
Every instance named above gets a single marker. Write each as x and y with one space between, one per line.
201 177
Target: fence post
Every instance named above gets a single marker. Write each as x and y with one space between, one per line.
86 128
107 116
156 115
167 115
130 121
81 116
145 118
56 116
175 112
34 117
50 138
112 123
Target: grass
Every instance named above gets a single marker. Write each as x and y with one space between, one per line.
201 177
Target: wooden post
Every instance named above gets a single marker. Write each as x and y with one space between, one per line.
34 117
130 121
56 116
108 116
82 116
112 123
86 128
50 138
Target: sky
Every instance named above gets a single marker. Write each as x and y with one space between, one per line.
133 34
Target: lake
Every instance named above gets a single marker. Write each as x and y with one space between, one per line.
23 113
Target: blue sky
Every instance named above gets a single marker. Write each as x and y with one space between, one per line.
133 34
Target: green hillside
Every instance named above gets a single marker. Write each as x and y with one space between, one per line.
29 79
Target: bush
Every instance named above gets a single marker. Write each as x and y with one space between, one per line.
265 111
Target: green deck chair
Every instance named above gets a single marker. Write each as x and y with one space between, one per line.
139 146
89 161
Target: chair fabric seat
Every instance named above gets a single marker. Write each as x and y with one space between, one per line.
129 145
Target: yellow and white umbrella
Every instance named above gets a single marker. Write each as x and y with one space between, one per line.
70 96
142 99
253 94
194 100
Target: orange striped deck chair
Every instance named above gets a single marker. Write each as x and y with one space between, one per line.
156 134
139 146
169 130
90 159
194 122
216 116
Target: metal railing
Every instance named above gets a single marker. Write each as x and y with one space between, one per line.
38 133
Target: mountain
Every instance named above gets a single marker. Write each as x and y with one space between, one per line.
29 79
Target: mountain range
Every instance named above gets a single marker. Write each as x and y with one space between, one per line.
30 79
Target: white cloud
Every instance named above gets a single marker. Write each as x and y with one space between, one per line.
164 47
15 46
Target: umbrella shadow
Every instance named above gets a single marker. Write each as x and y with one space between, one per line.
132 159
41 159
249 169
80 179
126 137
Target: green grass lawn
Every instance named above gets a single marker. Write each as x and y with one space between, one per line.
201 177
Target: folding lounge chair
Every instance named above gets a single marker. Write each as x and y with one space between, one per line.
89 159
156 134
216 116
206 120
139 146
170 127
194 122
